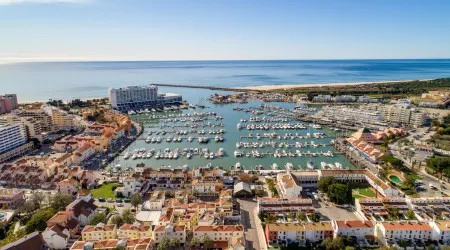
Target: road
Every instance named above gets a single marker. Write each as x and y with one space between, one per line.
248 220
427 179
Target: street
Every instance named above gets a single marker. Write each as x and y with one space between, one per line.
248 220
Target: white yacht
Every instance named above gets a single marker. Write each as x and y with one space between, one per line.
289 166
274 166
310 165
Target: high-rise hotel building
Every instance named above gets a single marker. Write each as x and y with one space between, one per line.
137 97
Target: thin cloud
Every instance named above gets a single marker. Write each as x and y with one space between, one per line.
10 2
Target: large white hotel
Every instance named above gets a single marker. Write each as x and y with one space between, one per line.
138 97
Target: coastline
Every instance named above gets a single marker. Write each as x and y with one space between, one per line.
320 85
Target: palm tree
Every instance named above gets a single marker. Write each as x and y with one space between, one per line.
377 183
403 244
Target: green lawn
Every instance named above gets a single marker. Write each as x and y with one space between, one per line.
357 196
364 191
105 191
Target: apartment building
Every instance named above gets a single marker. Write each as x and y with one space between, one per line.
322 98
65 219
362 175
285 205
393 231
318 231
200 187
155 201
441 231
218 233
289 186
134 231
99 232
281 234
207 173
11 198
83 153
350 116
353 228
39 114
33 128
130 187
165 178
83 209
13 141
127 244
169 231
56 237
138 97
307 178
398 114
60 118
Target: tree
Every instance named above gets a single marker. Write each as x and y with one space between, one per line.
410 215
377 184
291 216
324 183
301 217
128 217
37 198
270 219
207 242
174 242
315 217
336 244
117 220
98 218
60 201
350 248
163 244
195 242
136 200
338 193
403 244
38 221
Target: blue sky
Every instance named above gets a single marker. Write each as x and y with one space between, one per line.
54 30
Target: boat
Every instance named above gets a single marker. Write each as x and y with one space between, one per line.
216 139
259 167
289 166
189 139
239 126
126 156
221 153
238 153
237 166
274 166
323 165
338 165
310 165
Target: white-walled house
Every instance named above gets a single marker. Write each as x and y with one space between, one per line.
83 209
171 232
56 237
218 233
353 228
289 186
394 231
130 187
441 231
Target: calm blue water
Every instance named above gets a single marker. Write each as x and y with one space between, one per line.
43 81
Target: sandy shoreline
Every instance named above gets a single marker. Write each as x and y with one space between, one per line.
319 85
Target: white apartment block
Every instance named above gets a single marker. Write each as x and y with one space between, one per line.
134 97
353 228
441 231
344 98
322 98
345 115
169 231
282 205
12 136
289 185
218 233
33 128
398 114
394 231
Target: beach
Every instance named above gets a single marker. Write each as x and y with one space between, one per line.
320 85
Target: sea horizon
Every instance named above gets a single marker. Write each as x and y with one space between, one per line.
37 81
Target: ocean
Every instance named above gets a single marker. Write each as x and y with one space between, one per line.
68 80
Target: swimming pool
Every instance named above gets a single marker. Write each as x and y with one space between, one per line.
395 179
2 215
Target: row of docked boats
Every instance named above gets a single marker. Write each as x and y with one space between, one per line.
159 109
286 136
189 119
185 132
194 114
290 167
189 125
271 126
173 154
273 144
281 154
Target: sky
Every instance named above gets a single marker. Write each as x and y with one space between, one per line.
84 30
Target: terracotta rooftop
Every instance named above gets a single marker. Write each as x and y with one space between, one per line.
354 224
406 226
